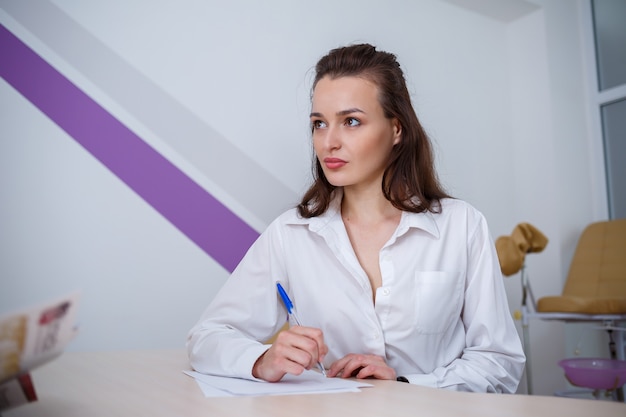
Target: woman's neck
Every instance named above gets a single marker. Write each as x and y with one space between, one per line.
367 206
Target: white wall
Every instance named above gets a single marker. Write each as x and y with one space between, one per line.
501 95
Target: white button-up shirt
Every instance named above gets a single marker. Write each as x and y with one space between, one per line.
440 318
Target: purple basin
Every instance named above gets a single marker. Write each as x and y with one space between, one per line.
596 373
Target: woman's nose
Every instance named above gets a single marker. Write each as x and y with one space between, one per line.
331 138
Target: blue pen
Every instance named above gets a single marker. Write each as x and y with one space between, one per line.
292 313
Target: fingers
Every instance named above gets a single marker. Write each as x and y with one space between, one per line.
362 366
293 351
347 367
272 368
318 349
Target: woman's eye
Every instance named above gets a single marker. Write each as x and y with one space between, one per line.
351 121
318 124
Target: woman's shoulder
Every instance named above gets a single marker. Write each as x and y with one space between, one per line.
453 205
455 208
288 217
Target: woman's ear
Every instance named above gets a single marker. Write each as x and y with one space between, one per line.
397 131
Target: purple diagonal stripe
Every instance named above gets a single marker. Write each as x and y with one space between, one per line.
190 208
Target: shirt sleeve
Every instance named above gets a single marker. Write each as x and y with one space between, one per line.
228 338
493 359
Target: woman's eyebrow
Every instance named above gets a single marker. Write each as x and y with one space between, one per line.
340 113
349 111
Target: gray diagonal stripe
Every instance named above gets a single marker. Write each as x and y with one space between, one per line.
200 145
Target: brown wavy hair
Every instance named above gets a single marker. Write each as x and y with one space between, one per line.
409 182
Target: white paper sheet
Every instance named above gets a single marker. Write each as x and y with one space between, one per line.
310 382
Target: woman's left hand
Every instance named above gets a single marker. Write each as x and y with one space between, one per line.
362 366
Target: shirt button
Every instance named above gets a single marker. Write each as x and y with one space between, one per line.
386 291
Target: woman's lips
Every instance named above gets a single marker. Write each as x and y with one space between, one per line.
334 163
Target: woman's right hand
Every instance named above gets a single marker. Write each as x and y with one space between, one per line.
294 350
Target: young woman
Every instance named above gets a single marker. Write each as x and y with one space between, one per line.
391 278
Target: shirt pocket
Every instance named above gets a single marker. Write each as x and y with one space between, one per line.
438 300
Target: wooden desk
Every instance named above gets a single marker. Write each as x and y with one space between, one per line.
151 383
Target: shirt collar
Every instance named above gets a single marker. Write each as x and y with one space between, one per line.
424 221
331 215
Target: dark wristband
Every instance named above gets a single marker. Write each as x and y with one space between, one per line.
402 379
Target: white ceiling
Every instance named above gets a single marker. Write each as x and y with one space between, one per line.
502 10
